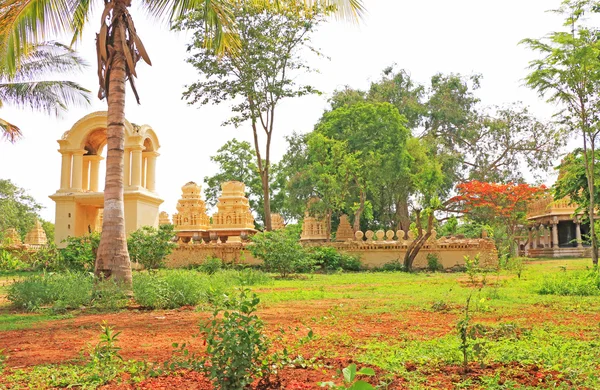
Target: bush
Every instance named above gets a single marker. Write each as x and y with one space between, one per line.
59 291
581 283
433 263
211 265
329 259
80 252
149 246
281 252
11 262
236 346
515 265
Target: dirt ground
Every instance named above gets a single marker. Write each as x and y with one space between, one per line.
149 335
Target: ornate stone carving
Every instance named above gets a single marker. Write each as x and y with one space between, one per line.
380 234
277 222
359 235
191 210
234 209
389 235
344 231
369 234
313 228
400 235
163 218
12 237
37 235
411 235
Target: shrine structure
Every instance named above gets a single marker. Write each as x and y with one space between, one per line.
79 201
36 236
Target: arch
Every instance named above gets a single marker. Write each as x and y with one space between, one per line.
77 136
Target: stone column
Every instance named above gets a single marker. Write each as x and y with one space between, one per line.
538 238
94 171
151 170
136 166
127 173
555 233
86 173
144 159
530 237
578 233
77 170
65 172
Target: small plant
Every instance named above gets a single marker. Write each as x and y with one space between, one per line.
149 246
350 383
329 259
235 344
515 265
80 252
211 265
433 263
106 351
393 266
3 359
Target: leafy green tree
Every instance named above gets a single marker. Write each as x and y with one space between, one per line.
27 87
150 246
257 76
567 73
19 210
24 23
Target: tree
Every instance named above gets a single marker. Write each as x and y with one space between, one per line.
25 88
26 22
503 204
572 182
257 77
150 246
19 210
568 74
236 161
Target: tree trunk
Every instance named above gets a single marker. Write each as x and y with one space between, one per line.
113 258
402 216
266 199
417 244
359 211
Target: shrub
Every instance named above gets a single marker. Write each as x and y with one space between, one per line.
149 246
48 258
581 283
433 263
235 344
515 265
393 266
169 290
80 252
59 291
328 258
211 265
10 262
281 252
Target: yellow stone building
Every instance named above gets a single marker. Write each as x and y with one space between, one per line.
79 201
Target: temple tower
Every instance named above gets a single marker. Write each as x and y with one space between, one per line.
191 210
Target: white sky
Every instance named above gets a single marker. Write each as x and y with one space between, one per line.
425 37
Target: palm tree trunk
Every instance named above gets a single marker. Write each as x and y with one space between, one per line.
113 257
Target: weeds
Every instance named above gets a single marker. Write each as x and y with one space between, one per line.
350 382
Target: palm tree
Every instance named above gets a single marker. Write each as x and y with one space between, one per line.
119 48
25 89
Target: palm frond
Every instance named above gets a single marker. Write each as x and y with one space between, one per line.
48 57
9 131
24 23
51 97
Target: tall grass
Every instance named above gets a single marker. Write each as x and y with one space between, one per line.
574 283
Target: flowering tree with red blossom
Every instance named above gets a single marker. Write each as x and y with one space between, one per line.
501 204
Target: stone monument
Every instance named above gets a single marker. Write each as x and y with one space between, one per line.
344 231
37 235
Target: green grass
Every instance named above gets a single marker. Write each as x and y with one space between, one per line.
563 339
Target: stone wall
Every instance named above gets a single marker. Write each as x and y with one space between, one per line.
373 254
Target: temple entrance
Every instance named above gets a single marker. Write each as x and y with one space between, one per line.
80 198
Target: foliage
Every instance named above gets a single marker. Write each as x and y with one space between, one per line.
433 262
105 355
10 262
18 209
515 265
64 291
583 283
330 259
281 252
175 288
567 73
235 344
80 252
210 265
26 87
501 204
150 246
351 383
258 75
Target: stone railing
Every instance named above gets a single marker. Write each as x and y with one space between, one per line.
373 248
548 206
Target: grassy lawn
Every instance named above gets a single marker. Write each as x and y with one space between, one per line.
406 326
